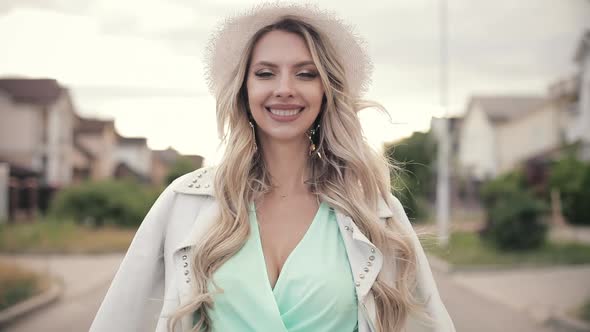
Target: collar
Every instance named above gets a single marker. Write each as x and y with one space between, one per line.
200 182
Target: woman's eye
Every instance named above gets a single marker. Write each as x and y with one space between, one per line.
308 75
264 74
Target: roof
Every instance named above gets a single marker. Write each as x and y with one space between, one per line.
122 169
167 156
86 125
39 91
131 140
500 109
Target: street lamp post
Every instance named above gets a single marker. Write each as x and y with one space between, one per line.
442 188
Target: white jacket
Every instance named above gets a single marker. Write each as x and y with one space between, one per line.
155 275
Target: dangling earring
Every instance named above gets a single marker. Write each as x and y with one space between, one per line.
253 135
312 147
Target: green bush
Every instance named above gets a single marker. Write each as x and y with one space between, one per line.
497 189
513 214
122 203
182 166
584 312
16 284
413 184
415 203
571 177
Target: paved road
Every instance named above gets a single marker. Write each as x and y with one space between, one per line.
470 311
87 279
67 315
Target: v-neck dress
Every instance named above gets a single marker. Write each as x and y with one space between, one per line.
314 292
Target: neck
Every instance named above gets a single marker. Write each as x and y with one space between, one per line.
287 164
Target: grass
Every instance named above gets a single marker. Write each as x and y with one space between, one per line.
18 284
584 312
468 249
63 237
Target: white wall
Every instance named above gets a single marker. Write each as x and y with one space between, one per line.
525 137
138 157
103 147
477 148
60 142
20 132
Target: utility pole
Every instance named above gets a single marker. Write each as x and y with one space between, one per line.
442 187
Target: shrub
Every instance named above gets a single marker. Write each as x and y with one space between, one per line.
414 183
584 312
513 214
415 204
123 203
506 184
182 166
571 177
16 284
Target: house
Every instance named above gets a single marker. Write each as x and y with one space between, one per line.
36 143
572 95
36 128
163 161
45 145
96 139
134 158
82 163
500 132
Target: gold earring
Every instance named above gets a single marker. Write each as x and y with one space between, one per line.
253 135
312 147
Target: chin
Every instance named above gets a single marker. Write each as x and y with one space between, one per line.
283 135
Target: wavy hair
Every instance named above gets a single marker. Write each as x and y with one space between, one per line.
349 176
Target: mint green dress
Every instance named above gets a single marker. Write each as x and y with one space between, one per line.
314 292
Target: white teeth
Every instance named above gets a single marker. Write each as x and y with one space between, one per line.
284 112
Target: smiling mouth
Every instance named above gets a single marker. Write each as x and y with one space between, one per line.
284 112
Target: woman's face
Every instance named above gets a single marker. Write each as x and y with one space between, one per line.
284 87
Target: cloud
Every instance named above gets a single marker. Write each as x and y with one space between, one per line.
129 59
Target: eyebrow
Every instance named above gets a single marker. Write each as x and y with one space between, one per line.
273 65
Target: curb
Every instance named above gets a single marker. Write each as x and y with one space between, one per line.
441 265
562 323
25 307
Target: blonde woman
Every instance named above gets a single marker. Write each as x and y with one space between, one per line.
296 229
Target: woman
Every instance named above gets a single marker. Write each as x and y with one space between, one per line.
296 229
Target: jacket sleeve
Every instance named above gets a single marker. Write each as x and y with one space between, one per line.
426 288
135 297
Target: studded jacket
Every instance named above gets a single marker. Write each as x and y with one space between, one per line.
155 276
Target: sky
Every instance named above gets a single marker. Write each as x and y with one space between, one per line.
140 62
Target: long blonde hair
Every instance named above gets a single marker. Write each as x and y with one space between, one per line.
349 176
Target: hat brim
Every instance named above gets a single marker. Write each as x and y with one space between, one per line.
229 40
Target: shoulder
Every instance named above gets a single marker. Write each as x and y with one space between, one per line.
197 182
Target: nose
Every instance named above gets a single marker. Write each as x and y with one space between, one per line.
284 87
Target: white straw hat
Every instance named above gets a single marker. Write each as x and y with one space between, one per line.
230 38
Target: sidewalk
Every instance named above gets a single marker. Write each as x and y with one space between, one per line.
542 293
85 277
579 234
80 273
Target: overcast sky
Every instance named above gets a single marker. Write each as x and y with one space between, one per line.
140 61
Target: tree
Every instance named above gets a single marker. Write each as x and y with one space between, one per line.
182 166
414 181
